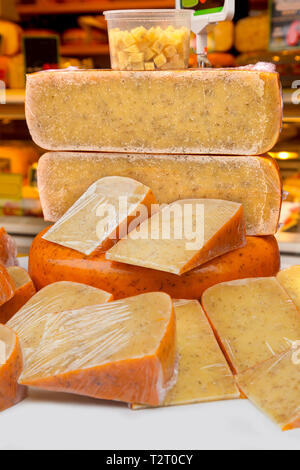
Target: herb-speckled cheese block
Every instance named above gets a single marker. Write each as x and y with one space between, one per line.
123 351
203 373
254 319
225 112
290 279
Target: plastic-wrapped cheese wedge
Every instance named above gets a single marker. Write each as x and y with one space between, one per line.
253 319
103 214
29 322
226 112
8 249
254 182
49 262
274 385
124 351
24 291
11 365
7 286
183 235
290 280
203 373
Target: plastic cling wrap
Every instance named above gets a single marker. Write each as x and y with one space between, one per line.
49 262
172 239
102 215
203 373
254 319
290 280
124 350
226 112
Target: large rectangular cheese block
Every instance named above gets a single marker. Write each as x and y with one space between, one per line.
290 279
205 111
273 387
183 235
105 213
123 350
49 262
253 319
203 373
29 321
254 182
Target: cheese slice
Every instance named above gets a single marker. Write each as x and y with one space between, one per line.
124 350
103 214
254 319
25 289
203 373
274 385
253 182
290 279
11 365
183 235
29 322
204 111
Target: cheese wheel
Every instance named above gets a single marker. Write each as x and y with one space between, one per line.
11 365
7 286
49 263
290 279
252 34
11 37
8 249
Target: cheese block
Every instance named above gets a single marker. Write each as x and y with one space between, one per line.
103 214
7 286
49 262
183 235
252 34
123 350
8 249
29 321
290 280
226 112
253 319
254 182
24 291
273 387
11 38
11 365
203 373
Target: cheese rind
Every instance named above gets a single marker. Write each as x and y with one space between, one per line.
253 182
7 286
8 249
168 241
290 279
49 262
273 387
187 111
124 350
103 214
254 319
203 373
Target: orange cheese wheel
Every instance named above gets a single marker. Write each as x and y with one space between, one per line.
7 286
49 262
8 249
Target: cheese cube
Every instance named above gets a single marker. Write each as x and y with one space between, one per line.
149 66
132 49
160 60
149 54
170 51
290 280
136 58
139 33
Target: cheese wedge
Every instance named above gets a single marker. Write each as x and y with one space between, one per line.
11 364
8 249
254 319
29 322
49 262
7 286
24 291
124 350
290 280
204 111
183 235
253 182
274 385
203 373
103 214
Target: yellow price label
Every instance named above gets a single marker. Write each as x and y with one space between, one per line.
11 186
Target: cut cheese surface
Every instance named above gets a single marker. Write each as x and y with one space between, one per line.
203 373
274 385
103 215
183 235
25 289
8 249
7 286
253 182
124 350
11 365
49 262
29 322
254 319
226 112
290 279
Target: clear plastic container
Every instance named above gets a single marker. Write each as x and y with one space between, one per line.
149 39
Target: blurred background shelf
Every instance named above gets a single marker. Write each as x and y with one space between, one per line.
84 50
